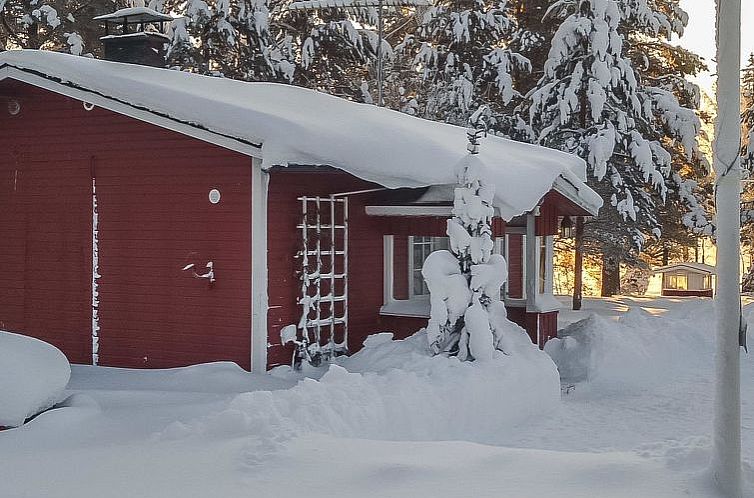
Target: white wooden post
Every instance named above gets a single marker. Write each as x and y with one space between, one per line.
259 297
726 455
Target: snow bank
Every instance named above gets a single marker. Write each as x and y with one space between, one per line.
634 351
215 377
33 376
297 126
395 390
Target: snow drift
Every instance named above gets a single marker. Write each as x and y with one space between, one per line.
395 390
637 350
33 376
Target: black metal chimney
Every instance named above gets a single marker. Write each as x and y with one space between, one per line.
135 35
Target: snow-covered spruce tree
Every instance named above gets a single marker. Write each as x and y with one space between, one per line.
664 70
334 49
467 316
60 25
227 38
591 102
460 59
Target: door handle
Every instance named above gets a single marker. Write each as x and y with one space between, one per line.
209 274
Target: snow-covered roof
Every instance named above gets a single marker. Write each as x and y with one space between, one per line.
343 4
694 267
286 125
135 14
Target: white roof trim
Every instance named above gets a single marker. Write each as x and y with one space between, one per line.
693 267
409 210
570 191
9 72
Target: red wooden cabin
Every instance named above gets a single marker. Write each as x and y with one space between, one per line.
135 233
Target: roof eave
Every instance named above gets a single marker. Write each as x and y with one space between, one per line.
142 114
573 193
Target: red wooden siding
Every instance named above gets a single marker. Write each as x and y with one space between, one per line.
515 258
400 267
45 230
284 241
547 221
688 293
154 218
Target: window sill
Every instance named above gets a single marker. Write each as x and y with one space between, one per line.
417 307
544 303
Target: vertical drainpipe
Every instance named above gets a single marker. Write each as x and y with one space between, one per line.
259 298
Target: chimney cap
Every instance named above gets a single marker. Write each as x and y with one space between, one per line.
135 14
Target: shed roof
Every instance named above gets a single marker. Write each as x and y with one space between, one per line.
693 267
286 125
135 14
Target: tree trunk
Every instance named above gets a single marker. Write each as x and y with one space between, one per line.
610 276
578 265
665 255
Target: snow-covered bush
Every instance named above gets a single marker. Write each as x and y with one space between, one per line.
467 316
33 376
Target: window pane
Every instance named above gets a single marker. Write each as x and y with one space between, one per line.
422 248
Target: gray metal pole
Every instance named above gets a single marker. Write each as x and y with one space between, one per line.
726 454
380 35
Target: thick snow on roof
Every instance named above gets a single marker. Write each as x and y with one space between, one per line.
326 4
297 126
697 267
135 14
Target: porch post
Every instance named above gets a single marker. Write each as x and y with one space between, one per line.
260 181
532 270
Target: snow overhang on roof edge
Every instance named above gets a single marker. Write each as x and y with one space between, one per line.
282 125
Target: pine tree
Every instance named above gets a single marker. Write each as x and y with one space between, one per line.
229 39
60 25
460 59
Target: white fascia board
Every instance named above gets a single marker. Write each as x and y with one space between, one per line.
131 111
260 180
568 190
408 211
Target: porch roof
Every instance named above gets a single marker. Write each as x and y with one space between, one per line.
692 267
291 126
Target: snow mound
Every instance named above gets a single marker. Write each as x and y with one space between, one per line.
395 390
634 351
33 376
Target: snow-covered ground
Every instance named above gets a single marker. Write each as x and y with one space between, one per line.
637 427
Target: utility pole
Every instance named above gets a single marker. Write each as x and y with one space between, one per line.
726 453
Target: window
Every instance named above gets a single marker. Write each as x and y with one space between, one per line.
678 282
419 249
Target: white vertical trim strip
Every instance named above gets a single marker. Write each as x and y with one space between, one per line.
260 181
410 258
532 270
388 262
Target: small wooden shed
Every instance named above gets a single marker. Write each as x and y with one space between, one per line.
687 279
